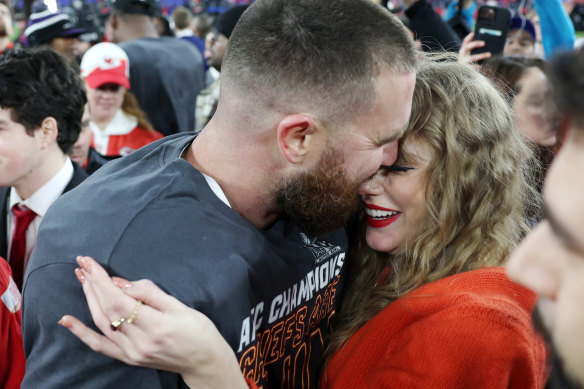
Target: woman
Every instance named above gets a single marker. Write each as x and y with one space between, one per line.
428 305
525 83
118 125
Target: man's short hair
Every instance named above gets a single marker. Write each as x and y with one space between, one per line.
135 7
319 54
568 80
182 17
39 83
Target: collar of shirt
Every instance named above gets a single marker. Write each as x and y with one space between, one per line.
121 124
183 33
210 180
41 200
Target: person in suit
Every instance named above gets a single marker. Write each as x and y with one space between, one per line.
41 105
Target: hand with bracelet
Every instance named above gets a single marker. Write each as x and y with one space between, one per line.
143 326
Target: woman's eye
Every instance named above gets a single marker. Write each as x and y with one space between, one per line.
399 168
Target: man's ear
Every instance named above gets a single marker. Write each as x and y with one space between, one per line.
297 135
48 131
113 20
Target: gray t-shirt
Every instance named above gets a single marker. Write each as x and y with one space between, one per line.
151 215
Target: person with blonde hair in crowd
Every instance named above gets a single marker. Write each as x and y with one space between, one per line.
118 125
428 302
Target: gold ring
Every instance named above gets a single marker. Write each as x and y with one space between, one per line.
116 324
135 313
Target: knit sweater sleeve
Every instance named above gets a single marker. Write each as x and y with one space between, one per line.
465 346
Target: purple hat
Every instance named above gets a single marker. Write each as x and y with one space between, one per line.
522 23
44 26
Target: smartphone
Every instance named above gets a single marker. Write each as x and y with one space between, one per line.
492 26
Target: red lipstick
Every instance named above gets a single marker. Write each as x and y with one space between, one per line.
381 222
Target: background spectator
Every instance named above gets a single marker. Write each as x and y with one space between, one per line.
166 73
41 100
55 29
6 28
118 125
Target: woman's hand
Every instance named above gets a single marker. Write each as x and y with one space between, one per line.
159 333
467 46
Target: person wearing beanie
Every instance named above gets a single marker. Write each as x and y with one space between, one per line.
55 29
215 46
118 125
520 38
225 25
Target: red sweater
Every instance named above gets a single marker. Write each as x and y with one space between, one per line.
470 330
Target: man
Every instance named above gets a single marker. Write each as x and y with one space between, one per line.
215 45
166 73
85 155
6 28
182 18
242 221
221 33
551 258
41 103
55 29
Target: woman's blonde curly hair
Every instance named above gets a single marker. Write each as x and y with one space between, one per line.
479 190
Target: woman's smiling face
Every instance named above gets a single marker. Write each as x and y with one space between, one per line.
394 199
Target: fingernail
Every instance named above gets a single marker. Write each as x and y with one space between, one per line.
121 283
80 275
85 263
64 323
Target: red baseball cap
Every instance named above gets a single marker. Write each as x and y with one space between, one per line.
105 63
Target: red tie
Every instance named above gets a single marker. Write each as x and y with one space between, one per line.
22 219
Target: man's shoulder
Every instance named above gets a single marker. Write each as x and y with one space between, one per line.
169 45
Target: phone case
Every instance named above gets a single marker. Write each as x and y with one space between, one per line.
492 26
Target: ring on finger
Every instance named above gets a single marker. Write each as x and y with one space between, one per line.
135 312
116 324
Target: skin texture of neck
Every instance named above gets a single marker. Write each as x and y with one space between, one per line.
241 167
132 27
49 166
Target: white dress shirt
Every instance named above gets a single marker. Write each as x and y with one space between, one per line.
39 202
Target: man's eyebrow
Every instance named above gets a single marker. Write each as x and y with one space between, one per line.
560 230
392 138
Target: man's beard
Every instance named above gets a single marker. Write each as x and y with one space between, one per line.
322 199
558 378
3 32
